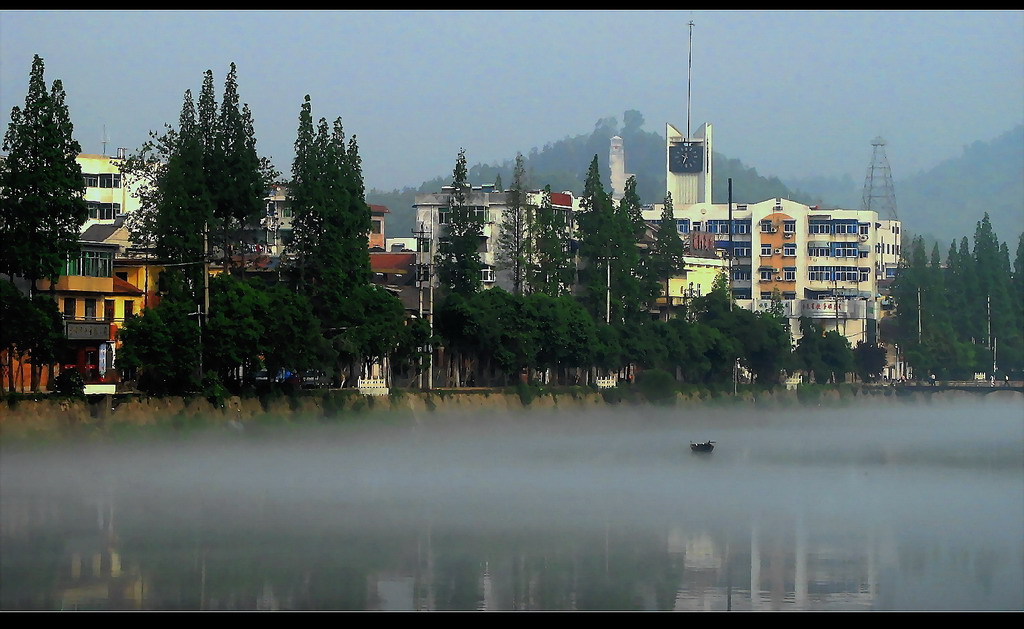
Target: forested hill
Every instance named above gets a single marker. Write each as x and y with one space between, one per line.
941 204
563 165
946 202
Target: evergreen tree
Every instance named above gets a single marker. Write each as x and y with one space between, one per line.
608 251
514 236
458 261
552 270
666 260
237 181
42 208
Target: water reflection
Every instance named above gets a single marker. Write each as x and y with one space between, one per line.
917 509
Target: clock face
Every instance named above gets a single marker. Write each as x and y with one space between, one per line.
687 157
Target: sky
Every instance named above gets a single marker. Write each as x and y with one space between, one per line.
791 93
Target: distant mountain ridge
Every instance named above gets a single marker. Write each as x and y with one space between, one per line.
941 204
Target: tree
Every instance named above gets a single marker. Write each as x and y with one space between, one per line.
237 180
42 207
607 249
514 236
869 360
552 270
666 260
145 354
458 261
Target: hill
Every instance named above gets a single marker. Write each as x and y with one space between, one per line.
946 202
941 204
563 165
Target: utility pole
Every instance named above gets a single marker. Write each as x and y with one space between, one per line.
918 315
608 291
731 249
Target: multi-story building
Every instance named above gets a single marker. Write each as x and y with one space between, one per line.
95 302
822 264
107 193
490 206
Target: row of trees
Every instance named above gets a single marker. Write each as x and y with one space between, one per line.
582 306
965 314
201 187
203 182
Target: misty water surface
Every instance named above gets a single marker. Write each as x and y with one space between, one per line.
866 507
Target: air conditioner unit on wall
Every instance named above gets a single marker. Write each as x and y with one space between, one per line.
863 237
787 235
778 251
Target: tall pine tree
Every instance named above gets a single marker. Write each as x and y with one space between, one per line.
458 261
514 237
41 185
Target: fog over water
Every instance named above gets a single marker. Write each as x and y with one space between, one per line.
932 494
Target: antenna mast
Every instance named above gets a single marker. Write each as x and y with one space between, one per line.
879 194
689 65
104 139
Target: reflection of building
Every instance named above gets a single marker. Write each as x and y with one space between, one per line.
781 569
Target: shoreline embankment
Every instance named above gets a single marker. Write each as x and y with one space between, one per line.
53 416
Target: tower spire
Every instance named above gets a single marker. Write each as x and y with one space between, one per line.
879 194
689 66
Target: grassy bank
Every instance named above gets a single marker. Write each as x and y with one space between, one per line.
50 415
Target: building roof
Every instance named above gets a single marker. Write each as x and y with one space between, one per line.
388 262
379 209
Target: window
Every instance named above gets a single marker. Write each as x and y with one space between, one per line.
108 309
741 275
789 274
486 274
766 274
845 250
91 181
129 308
91 264
103 211
865 229
90 308
818 251
789 227
110 180
846 228
69 307
766 227
741 227
696 226
766 250
819 274
819 228
789 249
683 226
864 274
741 252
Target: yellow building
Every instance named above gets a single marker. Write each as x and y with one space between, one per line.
95 302
107 192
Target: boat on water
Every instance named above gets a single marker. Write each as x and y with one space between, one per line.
706 446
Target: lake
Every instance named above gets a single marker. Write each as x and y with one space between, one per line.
850 506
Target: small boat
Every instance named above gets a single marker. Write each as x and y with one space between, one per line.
707 446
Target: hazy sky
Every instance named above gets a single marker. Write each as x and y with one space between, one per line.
792 93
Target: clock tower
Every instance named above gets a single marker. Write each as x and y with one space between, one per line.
688 160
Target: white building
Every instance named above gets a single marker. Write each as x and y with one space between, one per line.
823 264
432 215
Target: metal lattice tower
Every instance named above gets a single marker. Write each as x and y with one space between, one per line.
879 194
